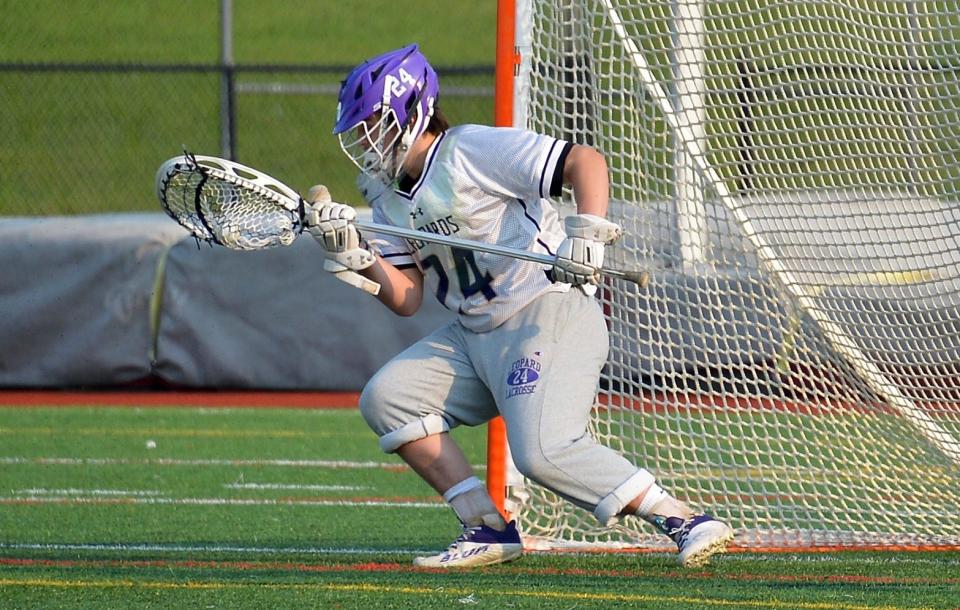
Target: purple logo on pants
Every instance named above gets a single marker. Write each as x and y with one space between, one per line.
522 377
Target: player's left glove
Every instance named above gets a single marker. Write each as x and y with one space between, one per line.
580 256
331 224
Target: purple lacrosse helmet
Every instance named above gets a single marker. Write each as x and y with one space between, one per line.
384 105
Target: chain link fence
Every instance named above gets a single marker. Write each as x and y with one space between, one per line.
81 139
84 132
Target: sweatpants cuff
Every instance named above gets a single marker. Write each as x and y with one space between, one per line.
609 508
414 431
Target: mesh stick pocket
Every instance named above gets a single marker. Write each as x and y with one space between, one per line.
228 204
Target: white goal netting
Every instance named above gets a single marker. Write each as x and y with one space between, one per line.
790 170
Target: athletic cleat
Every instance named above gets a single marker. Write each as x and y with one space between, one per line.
698 538
477 546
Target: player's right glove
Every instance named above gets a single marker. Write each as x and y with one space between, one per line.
331 224
580 256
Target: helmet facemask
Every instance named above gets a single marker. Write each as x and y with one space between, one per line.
378 146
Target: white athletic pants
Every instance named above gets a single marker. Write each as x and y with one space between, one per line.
539 370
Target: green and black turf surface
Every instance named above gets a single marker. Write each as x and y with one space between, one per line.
288 508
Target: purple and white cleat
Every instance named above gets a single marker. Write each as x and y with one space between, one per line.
698 538
477 546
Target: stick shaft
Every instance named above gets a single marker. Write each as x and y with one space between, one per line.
637 277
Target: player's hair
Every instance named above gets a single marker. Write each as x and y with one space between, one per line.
438 123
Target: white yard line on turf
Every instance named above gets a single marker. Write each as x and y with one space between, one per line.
894 558
76 461
40 491
177 548
296 487
268 550
8 500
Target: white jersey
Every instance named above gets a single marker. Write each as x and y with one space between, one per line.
484 184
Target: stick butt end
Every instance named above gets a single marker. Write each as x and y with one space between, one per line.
640 278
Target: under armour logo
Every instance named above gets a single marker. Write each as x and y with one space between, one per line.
417 213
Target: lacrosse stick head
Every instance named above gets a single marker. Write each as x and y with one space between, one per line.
229 204
384 105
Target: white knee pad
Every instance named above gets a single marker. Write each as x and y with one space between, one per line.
426 426
609 507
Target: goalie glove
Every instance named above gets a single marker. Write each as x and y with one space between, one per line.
331 224
580 256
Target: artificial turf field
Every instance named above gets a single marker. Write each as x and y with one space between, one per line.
292 507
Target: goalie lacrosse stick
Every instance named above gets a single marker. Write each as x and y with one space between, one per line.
236 206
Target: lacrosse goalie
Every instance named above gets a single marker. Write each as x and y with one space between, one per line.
528 342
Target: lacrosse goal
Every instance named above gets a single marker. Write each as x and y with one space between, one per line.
791 173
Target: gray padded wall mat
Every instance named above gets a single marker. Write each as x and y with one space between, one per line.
274 319
75 298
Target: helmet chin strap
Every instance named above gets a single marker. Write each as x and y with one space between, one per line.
402 147
383 160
